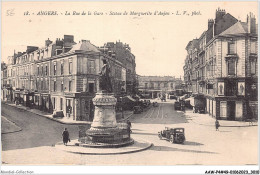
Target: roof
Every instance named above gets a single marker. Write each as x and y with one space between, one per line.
193 43
85 46
237 29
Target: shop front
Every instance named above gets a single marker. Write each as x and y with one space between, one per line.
86 108
232 108
70 105
18 98
45 102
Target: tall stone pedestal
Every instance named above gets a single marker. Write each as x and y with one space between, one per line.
104 131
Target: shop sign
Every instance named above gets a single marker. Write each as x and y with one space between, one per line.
69 94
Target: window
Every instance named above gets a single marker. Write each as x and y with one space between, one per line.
91 67
61 86
231 48
84 85
69 85
55 69
54 86
61 69
165 85
46 70
171 85
54 103
41 85
253 67
70 67
59 51
38 70
152 85
61 103
146 85
42 70
36 84
231 67
91 87
253 47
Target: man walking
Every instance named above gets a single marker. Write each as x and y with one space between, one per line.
217 125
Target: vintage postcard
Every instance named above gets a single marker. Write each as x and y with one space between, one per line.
130 83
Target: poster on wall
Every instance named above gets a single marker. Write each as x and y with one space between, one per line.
241 88
221 87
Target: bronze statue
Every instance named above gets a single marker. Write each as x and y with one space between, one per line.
104 78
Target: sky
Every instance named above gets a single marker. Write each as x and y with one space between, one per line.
157 41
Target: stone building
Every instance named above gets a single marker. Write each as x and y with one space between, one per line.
61 76
154 86
222 65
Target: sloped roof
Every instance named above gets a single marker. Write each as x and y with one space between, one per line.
237 29
84 46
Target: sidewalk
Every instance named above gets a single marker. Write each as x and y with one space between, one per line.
206 120
63 120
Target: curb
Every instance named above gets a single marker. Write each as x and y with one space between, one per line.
126 152
224 125
53 119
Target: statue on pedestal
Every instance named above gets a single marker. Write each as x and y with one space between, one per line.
104 79
104 131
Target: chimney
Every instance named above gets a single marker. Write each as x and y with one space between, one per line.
68 38
85 41
251 23
219 14
31 49
47 42
210 23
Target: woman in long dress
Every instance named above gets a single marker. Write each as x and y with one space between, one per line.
65 136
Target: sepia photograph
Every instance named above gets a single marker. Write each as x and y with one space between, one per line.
167 84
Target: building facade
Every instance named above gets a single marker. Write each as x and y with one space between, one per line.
222 66
62 76
154 86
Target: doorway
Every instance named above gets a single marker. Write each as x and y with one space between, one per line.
231 110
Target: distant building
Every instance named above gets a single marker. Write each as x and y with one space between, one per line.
154 86
62 76
222 66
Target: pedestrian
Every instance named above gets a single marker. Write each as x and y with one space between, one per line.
129 125
65 136
217 125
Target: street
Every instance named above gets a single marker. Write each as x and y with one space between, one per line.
203 146
36 130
